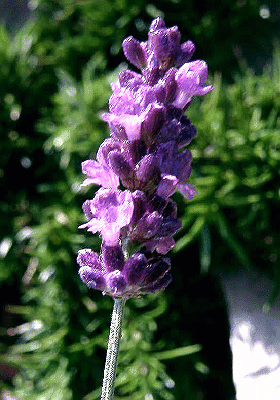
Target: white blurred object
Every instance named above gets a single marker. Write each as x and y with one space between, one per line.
255 336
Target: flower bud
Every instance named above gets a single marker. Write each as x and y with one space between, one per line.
116 283
93 278
152 123
147 173
160 284
156 268
186 51
134 269
113 257
134 52
122 168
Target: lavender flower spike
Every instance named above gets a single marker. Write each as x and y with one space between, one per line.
143 163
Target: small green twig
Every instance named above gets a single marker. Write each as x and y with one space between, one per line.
111 363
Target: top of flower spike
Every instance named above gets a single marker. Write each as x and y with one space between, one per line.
161 51
164 65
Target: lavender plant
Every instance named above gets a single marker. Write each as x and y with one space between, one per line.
143 163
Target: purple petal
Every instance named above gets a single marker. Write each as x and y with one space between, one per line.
111 210
86 207
115 210
170 131
105 149
99 175
122 101
190 79
173 163
161 245
94 226
185 53
167 186
131 124
187 190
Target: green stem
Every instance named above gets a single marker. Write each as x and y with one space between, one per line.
111 363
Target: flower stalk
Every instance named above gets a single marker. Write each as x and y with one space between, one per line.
111 363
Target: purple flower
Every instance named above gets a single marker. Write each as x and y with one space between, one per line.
108 213
175 170
142 164
91 269
99 172
132 103
190 79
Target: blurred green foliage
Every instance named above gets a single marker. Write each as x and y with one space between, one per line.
55 76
